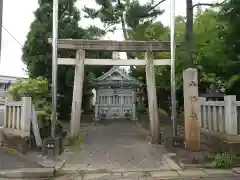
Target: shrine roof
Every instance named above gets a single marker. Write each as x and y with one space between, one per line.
118 70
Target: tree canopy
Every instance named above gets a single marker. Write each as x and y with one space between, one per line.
126 13
230 33
37 52
214 43
211 50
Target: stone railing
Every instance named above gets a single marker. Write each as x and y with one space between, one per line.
19 117
221 116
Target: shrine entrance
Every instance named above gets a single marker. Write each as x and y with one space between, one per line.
115 95
115 108
118 105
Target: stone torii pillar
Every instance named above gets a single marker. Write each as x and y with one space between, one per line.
152 99
77 94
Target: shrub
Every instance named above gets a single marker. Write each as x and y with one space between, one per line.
37 89
223 161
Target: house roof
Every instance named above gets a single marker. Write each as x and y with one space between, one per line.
7 79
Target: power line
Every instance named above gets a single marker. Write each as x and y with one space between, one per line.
12 36
14 39
19 42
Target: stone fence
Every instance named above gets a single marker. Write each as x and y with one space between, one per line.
20 119
220 123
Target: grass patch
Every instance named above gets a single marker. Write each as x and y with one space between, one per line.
222 161
225 161
10 150
76 141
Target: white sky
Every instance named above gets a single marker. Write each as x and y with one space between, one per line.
18 15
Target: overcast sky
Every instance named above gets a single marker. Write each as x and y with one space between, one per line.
17 17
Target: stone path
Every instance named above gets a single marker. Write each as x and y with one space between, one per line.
9 160
117 145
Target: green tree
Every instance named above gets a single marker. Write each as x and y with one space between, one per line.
156 31
229 15
209 53
37 52
126 13
152 31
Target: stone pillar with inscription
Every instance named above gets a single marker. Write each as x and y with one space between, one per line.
191 109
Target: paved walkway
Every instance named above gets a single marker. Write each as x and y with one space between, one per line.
117 145
116 151
9 160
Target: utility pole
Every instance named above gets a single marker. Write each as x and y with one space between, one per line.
54 65
52 145
173 81
1 16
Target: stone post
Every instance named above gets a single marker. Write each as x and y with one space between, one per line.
191 109
230 109
26 114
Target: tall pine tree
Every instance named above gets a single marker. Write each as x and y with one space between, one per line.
126 13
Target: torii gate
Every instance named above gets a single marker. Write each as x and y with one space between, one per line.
81 46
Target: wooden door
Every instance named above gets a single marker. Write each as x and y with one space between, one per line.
127 106
114 107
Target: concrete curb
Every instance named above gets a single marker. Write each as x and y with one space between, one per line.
236 170
28 173
152 173
171 163
46 171
193 171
